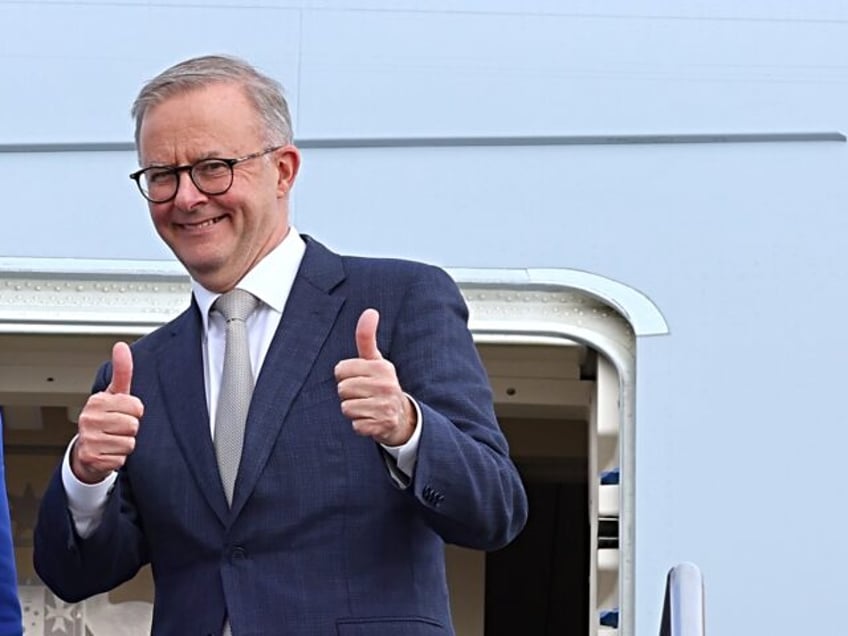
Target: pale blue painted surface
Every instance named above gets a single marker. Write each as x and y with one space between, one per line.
742 247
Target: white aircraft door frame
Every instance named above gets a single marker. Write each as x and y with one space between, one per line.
534 306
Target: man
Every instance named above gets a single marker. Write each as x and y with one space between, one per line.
370 437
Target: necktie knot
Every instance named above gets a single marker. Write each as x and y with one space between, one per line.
236 304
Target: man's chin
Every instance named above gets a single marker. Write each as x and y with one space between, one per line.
203 271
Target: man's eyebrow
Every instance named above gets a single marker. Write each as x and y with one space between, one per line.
212 154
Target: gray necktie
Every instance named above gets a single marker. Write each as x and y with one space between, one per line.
236 385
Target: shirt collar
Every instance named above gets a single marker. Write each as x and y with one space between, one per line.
270 280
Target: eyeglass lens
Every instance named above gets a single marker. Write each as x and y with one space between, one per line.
211 176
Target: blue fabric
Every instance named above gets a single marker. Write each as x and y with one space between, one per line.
11 621
609 618
610 477
319 540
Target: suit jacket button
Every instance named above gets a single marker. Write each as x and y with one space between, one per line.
238 553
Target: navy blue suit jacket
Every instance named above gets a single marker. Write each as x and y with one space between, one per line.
319 539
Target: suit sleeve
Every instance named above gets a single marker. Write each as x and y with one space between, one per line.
10 608
75 568
465 482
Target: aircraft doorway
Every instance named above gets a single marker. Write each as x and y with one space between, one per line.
558 406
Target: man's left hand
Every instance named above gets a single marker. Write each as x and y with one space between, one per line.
370 394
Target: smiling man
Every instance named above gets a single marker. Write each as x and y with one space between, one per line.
292 452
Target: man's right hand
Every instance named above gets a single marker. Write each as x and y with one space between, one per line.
108 423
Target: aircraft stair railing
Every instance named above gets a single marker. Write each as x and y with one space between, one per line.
683 608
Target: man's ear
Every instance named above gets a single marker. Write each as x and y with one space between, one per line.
287 160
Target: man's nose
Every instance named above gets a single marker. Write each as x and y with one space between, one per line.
188 196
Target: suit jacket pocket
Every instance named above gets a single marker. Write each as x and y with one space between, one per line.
391 626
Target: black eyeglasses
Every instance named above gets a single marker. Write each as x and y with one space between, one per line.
159 184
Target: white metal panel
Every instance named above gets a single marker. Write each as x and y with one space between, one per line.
390 73
74 205
71 70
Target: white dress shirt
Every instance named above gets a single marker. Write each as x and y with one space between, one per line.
270 281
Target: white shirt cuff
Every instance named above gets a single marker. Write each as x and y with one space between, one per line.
86 502
406 454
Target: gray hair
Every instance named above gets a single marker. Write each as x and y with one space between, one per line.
264 93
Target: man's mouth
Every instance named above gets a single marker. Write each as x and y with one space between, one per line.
201 224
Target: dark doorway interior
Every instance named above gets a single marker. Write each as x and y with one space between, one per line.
539 585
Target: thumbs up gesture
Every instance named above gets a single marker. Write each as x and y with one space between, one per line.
370 394
108 423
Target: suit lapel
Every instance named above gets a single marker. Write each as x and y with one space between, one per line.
307 320
185 400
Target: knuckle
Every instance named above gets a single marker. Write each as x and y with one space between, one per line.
94 401
84 423
87 458
99 401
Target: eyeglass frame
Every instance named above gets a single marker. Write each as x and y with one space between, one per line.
189 167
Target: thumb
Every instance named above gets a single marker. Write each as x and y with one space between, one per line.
366 335
122 368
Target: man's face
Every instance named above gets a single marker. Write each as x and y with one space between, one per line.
218 238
